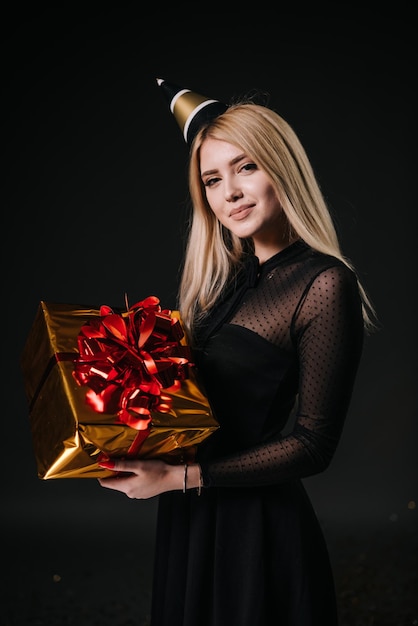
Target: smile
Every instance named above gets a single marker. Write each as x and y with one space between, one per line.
239 213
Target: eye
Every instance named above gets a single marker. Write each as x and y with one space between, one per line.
209 182
248 167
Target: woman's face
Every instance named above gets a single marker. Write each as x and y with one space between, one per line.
241 195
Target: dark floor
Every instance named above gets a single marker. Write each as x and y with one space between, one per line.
376 575
65 570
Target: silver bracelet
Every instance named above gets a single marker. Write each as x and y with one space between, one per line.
185 478
199 489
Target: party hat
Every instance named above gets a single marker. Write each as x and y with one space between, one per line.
190 109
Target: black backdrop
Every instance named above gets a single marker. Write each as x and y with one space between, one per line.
94 207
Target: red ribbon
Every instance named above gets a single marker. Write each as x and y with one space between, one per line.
128 359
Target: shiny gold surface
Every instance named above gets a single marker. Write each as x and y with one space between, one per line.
68 435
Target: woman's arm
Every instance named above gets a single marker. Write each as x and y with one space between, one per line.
145 479
328 333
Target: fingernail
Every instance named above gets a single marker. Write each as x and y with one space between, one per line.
107 464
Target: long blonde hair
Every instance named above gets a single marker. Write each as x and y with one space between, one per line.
213 253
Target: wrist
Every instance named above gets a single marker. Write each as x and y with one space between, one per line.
192 477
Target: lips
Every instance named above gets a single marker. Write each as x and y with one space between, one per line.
240 212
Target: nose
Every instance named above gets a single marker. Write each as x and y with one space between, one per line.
232 194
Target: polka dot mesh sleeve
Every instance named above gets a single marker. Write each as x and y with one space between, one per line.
318 317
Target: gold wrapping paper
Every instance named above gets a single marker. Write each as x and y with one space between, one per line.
67 434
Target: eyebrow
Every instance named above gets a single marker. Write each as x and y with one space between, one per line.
234 161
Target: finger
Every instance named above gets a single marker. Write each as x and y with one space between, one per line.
111 483
118 481
116 465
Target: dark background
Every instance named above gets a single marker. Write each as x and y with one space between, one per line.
94 207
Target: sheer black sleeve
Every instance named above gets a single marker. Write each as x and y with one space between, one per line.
325 329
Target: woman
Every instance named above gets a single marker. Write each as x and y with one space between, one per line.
276 317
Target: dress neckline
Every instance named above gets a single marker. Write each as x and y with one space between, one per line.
282 256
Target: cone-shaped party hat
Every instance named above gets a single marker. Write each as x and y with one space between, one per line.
190 109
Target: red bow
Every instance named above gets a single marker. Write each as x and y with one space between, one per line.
128 358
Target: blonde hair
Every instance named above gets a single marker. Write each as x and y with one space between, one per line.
213 253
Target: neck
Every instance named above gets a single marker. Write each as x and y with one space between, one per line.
266 250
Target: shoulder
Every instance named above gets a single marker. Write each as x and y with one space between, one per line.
329 280
321 268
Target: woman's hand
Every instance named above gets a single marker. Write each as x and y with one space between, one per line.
145 479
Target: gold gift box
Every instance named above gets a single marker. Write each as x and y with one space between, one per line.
68 435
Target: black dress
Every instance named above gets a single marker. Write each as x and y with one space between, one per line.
278 359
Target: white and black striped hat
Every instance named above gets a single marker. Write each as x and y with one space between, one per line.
191 110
